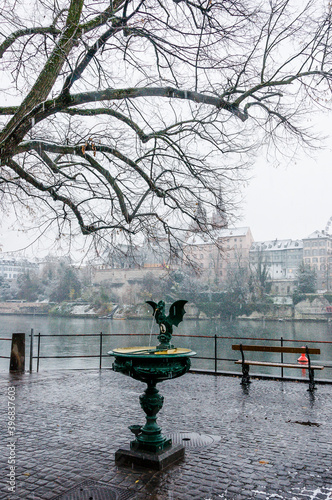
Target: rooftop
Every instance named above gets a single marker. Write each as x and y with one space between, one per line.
276 245
318 234
230 232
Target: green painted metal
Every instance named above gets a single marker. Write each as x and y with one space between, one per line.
175 316
153 365
151 368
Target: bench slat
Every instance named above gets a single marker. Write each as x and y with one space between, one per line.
264 348
282 365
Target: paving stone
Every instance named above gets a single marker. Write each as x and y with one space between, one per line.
70 423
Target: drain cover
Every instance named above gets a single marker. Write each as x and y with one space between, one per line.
93 490
193 439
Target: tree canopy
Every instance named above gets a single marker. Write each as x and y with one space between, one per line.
306 279
122 118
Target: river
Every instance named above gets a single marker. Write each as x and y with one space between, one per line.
199 342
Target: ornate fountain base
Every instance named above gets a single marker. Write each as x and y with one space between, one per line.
156 461
149 437
150 365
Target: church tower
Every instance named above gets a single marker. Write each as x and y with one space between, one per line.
199 225
219 219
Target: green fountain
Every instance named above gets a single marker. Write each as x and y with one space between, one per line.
151 365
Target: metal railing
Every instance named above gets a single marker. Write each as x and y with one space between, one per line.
215 359
280 340
5 338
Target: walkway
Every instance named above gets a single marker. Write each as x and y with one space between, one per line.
273 442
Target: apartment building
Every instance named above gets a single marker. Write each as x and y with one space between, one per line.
317 253
10 268
282 259
214 260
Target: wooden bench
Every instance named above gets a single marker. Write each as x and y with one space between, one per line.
263 348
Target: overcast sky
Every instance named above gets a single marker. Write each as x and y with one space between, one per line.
294 199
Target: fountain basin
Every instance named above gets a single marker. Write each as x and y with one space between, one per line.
150 364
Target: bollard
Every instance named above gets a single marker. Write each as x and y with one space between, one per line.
303 360
17 353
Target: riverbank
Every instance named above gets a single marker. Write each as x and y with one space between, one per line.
311 309
29 308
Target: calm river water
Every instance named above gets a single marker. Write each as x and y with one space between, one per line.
191 334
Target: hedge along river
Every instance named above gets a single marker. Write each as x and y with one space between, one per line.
197 335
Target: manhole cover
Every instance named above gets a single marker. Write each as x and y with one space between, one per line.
193 439
92 490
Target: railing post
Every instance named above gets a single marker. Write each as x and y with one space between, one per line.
215 354
17 354
31 350
100 349
38 352
282 356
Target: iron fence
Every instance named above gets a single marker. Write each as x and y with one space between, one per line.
5 338
215 360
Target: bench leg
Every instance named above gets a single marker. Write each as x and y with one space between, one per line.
311 380
245 374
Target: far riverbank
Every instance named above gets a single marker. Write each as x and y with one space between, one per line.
312 309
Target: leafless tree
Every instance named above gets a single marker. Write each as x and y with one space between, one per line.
120 118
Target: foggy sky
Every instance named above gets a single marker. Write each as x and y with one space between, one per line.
294 199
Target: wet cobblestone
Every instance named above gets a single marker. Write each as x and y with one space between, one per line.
69 425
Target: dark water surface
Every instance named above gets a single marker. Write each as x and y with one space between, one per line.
197 335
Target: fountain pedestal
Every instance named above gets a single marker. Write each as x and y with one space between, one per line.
150 448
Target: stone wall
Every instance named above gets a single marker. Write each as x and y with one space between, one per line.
126 282
24 308
315 309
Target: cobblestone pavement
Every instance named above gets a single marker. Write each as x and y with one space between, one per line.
274 441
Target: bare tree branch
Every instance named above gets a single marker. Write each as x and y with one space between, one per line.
51 30
134 116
